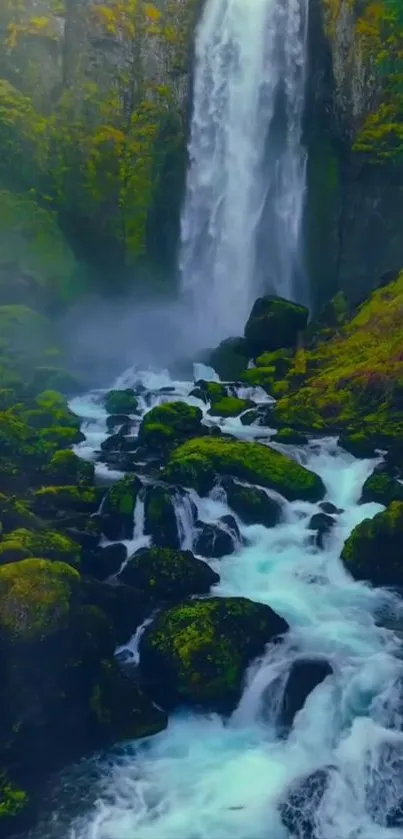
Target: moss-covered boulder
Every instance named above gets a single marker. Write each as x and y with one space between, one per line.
212 391
197 460
121 401
47 544
280 361
230 359
289 436
125 606
374 550
117 514
215 541
230 406
167 425
381 488
16 513
66 468
197 652
274 323
37 598
50 501
251 504
100 563
167 574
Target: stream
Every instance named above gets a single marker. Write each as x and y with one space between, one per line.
207 777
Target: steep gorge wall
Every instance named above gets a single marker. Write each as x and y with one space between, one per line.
355 203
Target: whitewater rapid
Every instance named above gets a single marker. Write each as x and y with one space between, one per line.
242 216
210 778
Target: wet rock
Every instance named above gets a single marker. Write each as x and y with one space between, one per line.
323 524
197 651
305 675
290 436
199 393
230 359
125 606
359 445
161 521
67 468
104 562
119 421
119 442
167 574
251 504
330 508
298 811
117 514
213 541
274 323
167 425
374 550
230 523
229 406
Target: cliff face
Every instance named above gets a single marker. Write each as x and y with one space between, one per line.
354 132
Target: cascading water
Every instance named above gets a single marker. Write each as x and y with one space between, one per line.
242 216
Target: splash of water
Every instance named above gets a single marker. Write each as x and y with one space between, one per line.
242 216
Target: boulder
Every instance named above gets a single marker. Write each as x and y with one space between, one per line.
274 323
323 524
16 513
167 425
251 504
212 391
374 550
359 444
168 574
121 401
229 406
125 606
230 359
305 675
298 811
120 422
50 501
117 513
66 468
290 436
47 544
160 516
197 652
195 463
213 541
106 562
381 488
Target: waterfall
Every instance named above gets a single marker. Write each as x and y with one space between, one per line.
241 220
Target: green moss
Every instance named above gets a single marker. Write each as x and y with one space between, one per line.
202 647
289 435
380 488
252 462
252 505
121 402
168 574
167 423
229 406
48 501
66 467
16 513
274 324
12 799
281 361
121 498
36 599
260 377
374 550
46 544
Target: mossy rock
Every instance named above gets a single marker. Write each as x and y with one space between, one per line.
260 377
66 467
166 425
46 544
252 505
121 710
37 598
51 500
101 563
160 517
197 652
291 436
117 515
358 444
230 359
14 805
374 550
121 401
213 391
280 362
16 513
230 406
167 574
274 323
380 488
252 462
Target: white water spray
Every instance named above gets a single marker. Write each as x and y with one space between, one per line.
242 217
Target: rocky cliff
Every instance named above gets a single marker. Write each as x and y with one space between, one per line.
355 134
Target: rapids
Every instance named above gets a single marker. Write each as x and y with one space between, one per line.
212 778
